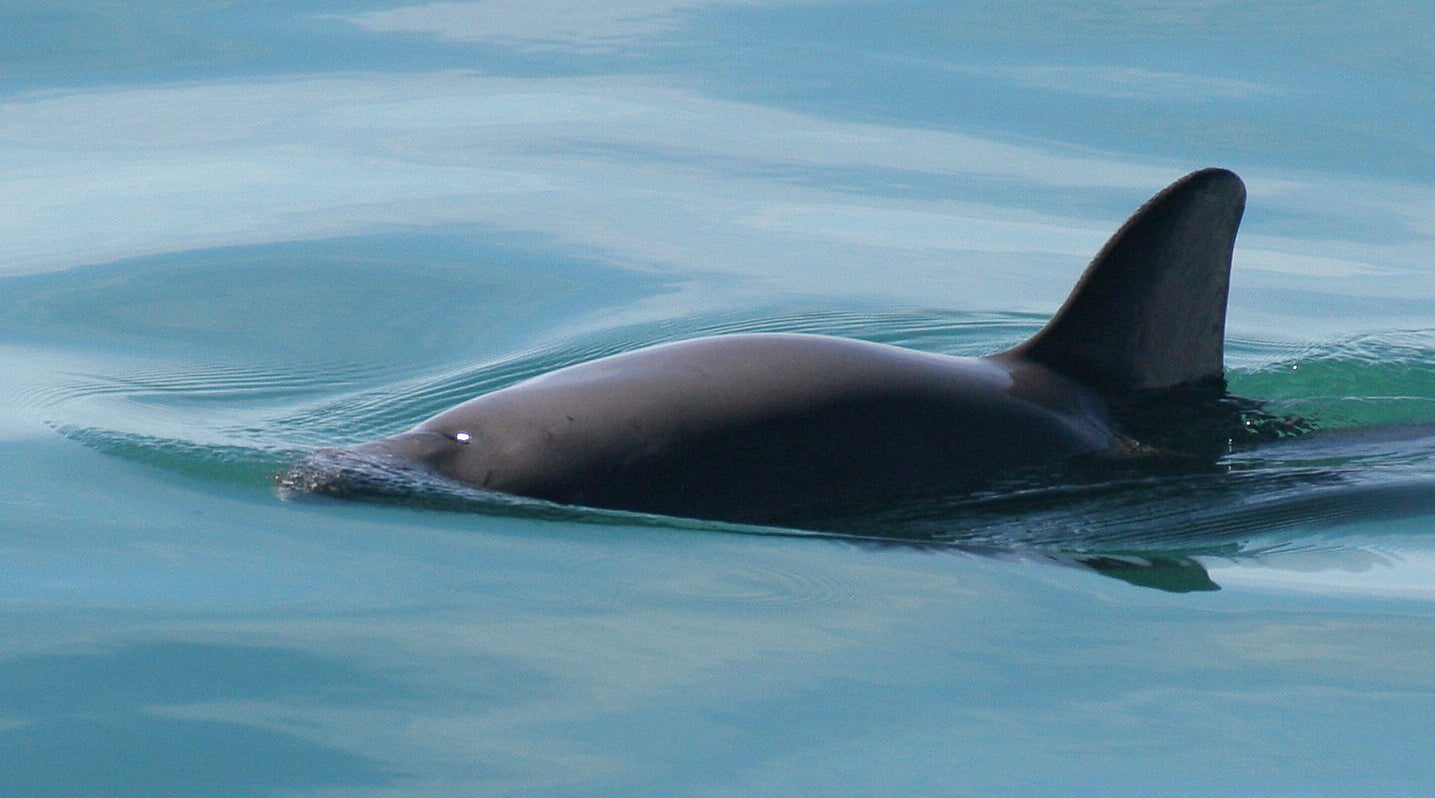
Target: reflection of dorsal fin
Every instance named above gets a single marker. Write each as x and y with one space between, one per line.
1150 311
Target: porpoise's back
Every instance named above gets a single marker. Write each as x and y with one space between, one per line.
756 428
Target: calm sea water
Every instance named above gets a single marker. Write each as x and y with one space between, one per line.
231 232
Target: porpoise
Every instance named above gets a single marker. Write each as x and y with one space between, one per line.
770 428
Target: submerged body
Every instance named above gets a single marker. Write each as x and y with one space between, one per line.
769 428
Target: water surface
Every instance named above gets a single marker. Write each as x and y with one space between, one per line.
231 232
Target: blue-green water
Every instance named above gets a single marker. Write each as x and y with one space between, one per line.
231 232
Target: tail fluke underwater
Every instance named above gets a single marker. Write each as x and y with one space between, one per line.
1150 311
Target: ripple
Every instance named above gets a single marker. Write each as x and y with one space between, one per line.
200 384
242 424
1375 379
232 464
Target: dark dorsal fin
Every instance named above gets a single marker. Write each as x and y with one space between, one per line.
1150 311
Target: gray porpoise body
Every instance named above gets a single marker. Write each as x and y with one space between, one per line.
759 428
753 428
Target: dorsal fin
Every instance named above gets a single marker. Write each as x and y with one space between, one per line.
1150 311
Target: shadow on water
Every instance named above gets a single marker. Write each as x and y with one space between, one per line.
111 723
